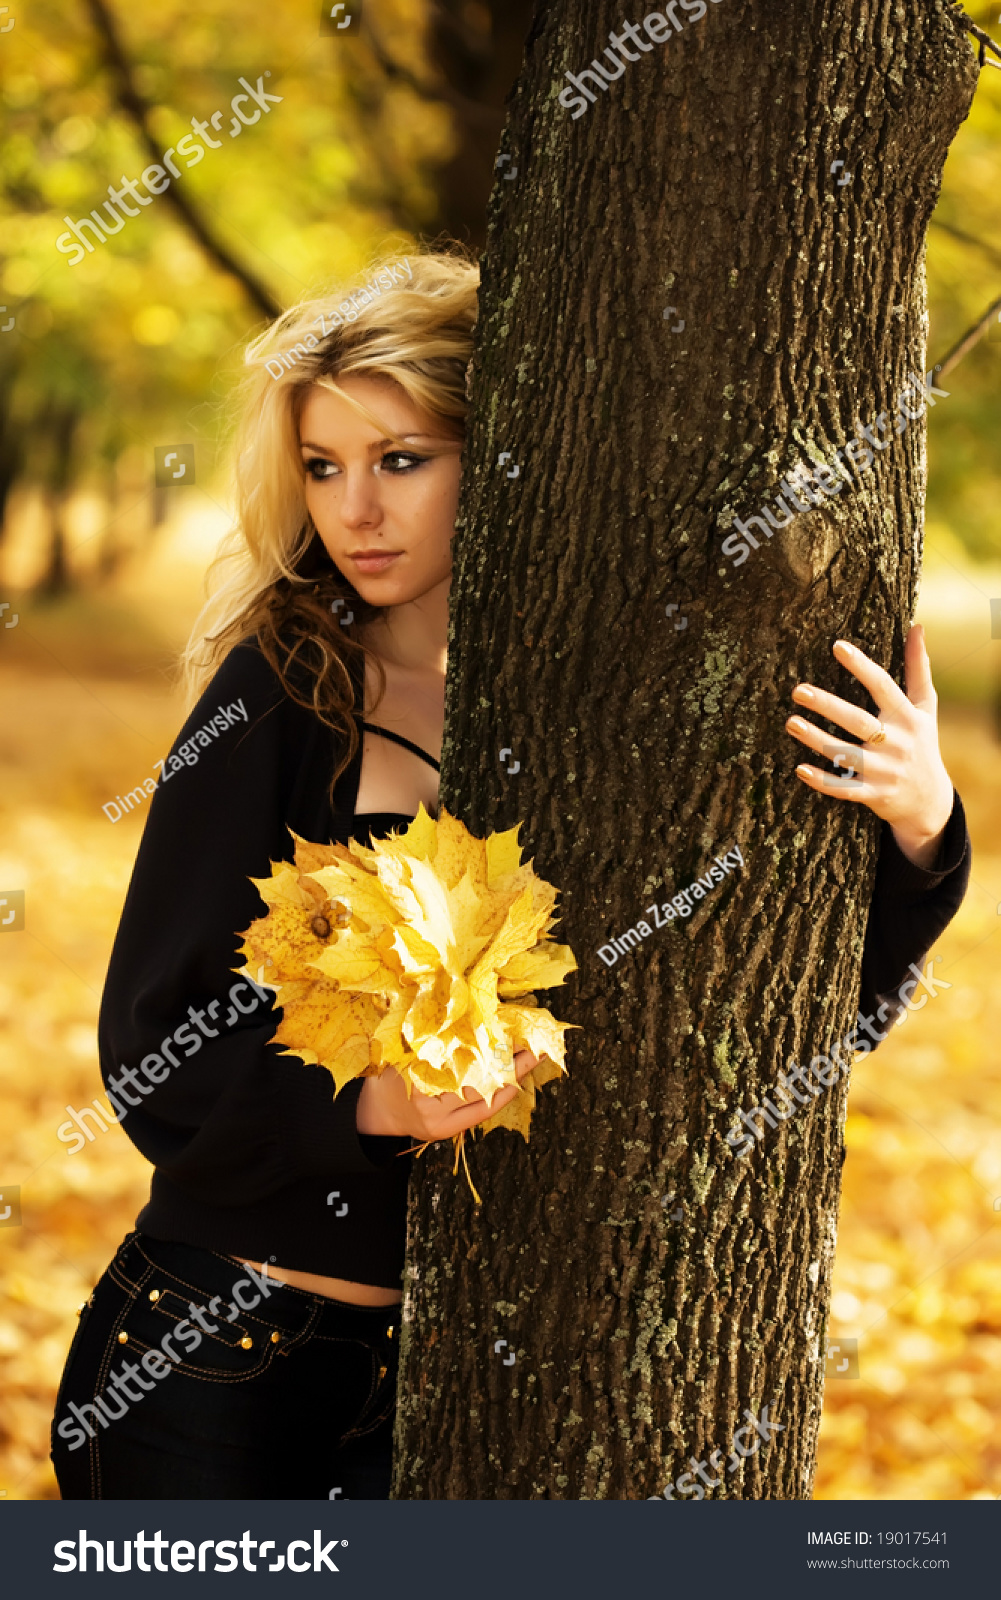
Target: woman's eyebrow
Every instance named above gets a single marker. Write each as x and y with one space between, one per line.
379 444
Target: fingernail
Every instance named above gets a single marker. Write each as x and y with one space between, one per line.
801 693
805 772
846 646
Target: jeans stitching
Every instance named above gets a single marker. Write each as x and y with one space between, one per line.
102 1378
365 1424
267 1324
130 1289
303 1336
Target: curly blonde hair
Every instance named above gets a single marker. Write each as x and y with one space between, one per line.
412 321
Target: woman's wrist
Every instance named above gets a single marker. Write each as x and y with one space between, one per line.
372 1114
921 842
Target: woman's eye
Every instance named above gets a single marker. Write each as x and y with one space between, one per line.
397 461
319 469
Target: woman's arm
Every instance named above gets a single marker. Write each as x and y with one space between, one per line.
184 1043
924 854
911 906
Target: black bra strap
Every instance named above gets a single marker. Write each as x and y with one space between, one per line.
407 744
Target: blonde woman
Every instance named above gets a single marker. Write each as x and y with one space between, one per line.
242 1343
193 1375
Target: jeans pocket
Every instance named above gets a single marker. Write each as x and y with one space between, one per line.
381 1398
201 1334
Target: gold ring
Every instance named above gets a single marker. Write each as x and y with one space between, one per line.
879 736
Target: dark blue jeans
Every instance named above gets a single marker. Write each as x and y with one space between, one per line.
192 1378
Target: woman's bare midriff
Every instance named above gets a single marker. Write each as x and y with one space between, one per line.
356 1294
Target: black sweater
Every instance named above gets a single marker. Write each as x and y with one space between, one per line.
253 1155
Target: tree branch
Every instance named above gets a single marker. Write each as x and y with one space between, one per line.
986 42
968 238
970 338
137 109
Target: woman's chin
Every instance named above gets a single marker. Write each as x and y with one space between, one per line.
393 590
387 593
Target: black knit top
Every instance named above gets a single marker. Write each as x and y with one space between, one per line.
253 1155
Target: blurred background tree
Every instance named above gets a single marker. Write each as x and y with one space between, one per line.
964 278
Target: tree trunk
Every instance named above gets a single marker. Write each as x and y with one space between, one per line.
11 439
652 1285
56 579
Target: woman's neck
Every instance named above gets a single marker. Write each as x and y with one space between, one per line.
414 636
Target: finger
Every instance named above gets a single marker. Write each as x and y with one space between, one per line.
880 685
470 1115
837 788
446 1102
823 744
917 670
852 718
524 1061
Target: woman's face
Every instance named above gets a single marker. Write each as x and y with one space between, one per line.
385 511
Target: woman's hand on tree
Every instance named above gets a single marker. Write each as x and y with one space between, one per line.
903 779
384 1107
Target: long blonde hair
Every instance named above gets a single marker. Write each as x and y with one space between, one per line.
412 321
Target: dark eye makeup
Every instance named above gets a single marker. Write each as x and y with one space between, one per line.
394 462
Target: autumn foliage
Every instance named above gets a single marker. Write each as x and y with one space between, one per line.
418 954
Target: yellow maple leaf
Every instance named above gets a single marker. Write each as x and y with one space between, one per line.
419 954
516 1115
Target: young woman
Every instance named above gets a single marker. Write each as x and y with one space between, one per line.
242 1343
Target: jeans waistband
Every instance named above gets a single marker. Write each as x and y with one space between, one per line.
200 1275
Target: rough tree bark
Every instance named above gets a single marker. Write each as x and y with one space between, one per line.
652 1285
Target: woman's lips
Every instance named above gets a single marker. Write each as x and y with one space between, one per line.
379 563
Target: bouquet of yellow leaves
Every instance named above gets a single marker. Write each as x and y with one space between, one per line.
419 954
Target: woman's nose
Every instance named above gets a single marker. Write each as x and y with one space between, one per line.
360 503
